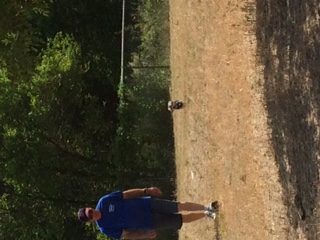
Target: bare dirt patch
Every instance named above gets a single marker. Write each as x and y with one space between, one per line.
247 135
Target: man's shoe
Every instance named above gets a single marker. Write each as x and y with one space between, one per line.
213 207
210 214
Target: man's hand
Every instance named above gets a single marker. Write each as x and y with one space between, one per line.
153 191
152 234
140 192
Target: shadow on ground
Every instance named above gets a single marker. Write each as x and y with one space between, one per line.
288 37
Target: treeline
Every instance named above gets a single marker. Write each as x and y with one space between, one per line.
69 134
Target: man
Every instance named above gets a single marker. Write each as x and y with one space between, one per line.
133 214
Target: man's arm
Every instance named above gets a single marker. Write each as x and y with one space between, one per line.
140 192
138 234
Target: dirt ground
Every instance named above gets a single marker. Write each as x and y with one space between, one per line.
249 134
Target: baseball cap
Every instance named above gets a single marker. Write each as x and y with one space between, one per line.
82 215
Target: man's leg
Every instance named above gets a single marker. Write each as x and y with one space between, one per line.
175 221
190 206
190 217
167 221
166 206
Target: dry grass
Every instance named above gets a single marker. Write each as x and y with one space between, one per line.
224 147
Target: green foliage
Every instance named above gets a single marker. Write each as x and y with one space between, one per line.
60 54
145 127
101 236
154 27
56 126
67 136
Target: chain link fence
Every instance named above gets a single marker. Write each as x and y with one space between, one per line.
145 39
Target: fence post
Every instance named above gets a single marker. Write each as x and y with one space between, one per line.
122 40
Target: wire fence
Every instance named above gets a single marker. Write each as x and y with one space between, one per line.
145 71
144 42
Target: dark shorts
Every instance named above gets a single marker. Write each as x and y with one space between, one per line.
165 214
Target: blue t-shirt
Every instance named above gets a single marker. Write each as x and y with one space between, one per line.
120 214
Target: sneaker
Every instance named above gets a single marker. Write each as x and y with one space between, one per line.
210 214
213 207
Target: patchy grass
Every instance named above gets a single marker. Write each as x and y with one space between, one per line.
249 132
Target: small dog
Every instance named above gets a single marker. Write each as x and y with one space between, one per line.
173 105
